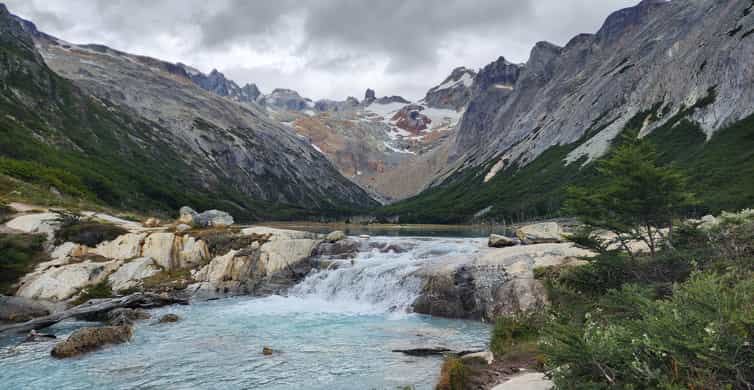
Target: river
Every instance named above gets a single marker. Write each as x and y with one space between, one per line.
335 330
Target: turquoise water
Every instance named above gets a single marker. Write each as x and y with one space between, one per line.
334 331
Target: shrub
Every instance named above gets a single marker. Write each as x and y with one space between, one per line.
516 335
98 291
454 375
699 338
89 233
19 254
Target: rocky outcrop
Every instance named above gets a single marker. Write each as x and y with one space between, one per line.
492 283
63 282
132 273
454 92
127 246
286 99
411 119
259 269
89 339
216 83
540 233
39 223
658 58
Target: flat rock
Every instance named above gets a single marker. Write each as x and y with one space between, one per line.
527 381
40 223
540 233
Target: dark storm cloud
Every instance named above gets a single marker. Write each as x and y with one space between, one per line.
324 48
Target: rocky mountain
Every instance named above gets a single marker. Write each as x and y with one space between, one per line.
669 55
217 83
678 72
135 130
454 92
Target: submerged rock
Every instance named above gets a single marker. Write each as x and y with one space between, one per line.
88 339
125 316
168 318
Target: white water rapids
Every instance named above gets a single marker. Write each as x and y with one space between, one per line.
335 330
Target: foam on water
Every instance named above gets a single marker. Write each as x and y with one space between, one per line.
335 330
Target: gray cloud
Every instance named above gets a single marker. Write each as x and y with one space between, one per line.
323 48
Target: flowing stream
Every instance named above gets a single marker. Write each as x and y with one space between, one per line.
335 330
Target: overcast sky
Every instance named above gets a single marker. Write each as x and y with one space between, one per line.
323 48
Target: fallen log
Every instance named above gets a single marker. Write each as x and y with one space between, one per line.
433 351
133 301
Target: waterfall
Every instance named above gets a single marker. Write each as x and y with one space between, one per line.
383 276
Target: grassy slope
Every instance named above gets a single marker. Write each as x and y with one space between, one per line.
721 172
53 135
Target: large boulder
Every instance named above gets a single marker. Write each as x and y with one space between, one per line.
187 215
498 241
208 218
40 223
89 339
132 273
492 282
214 218
277 255
127 246
540 233
57 284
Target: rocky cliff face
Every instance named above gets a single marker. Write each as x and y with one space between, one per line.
454 92
229 146
216 82
657 57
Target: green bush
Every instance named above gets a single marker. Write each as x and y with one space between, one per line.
98 291
19 254
89 233
454 375
700 338
516 335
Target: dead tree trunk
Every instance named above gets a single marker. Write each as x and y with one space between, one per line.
134 301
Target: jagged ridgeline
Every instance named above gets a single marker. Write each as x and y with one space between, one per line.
678 72
140 136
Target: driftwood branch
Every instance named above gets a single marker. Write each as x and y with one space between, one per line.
433 352
133 301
